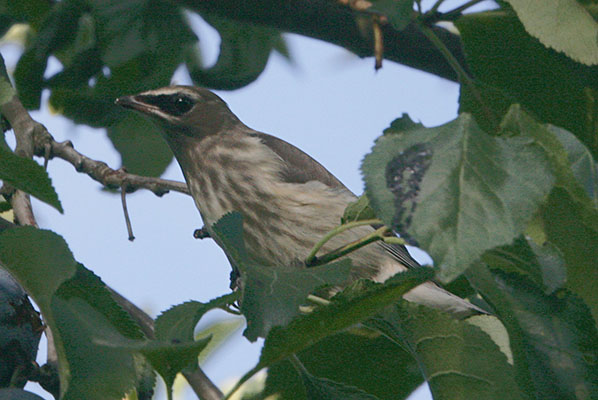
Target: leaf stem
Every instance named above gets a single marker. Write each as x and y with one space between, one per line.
349 247
435 7
450 58
243 379
298 364
339 229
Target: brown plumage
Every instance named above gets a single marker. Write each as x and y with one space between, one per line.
287 199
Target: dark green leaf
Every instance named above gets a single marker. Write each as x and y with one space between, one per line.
569 220
18 394
572 227
28 176
552 86
326 389
399 12
28 11
564 25
486 103
402 124
358 210
455 190
58 30
178 323
582 163
272 294
553 337
80 311
168 358
142 149
352 306
458 360
40 260
362 359
543 264
244 52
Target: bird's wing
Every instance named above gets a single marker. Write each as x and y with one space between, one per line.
301 168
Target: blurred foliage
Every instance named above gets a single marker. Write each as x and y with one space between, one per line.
112 48
504 199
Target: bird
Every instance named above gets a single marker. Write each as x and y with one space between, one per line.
288 200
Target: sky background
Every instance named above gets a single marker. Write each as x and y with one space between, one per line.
326 101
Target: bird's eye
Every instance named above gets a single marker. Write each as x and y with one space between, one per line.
182 104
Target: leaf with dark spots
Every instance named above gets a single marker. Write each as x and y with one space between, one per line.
404 174
456 190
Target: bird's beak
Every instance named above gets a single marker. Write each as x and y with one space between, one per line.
133 103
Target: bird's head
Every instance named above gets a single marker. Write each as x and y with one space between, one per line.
187 110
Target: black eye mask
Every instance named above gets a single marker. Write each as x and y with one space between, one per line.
173 104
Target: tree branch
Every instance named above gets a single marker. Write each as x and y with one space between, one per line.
16 115
45 145
338 24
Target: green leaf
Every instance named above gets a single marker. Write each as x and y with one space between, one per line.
383 368
18 394
244 53
569 220
399 12
220 332
57 31
168 358
402 124
543 264
272 294
326 389
455 190
178 323
358 210
582 162
572 226
128 29
28 11
352 306
556 89
564 25
142 149
458 360
553 337
78 308
28 176
40 260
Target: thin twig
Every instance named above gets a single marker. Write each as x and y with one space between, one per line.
339 229
378 42
123 199
449 16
